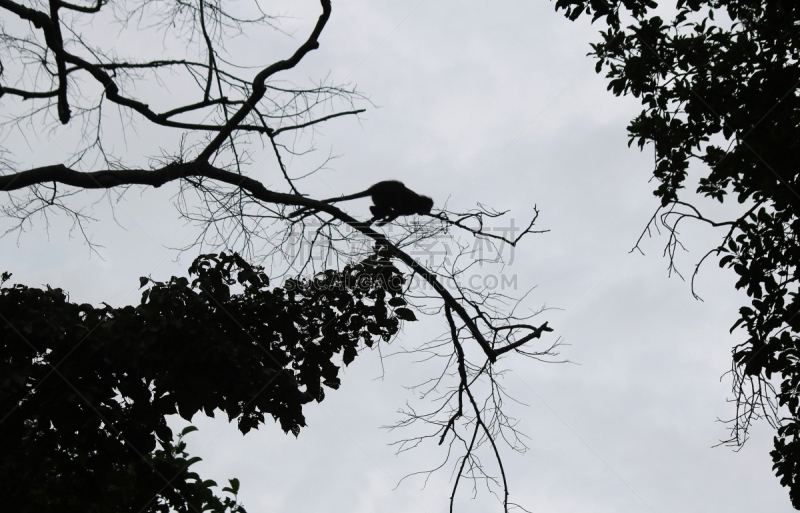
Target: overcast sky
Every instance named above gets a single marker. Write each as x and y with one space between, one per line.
494 103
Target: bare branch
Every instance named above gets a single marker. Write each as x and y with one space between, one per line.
259 83
27 95
316 121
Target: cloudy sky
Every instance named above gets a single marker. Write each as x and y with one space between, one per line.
498 104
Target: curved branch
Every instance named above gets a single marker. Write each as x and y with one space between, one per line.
38 18
88 10
52 34
259 86
535 333
113 95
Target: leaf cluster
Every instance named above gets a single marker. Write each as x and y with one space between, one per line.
719 85
86 390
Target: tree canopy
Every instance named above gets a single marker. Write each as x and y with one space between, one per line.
719 80
87 390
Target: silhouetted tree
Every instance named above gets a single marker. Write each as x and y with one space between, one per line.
86 391
719 84
203 115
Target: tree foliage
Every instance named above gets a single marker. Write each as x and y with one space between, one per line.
88 390
719 84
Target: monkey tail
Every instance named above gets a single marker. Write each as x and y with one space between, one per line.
362 194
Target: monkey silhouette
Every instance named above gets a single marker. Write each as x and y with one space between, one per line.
390 200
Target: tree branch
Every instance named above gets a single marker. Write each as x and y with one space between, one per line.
318 120
27 95
107 179
259 87
88 10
